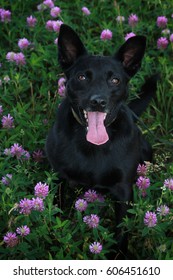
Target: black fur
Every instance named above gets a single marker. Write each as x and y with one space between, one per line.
99 84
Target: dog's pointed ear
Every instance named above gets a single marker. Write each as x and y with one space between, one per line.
70 47
131 53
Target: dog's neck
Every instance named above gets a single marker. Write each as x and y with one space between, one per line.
76 116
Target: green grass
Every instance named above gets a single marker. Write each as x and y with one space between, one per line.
31 97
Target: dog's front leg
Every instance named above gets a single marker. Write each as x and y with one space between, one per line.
122 195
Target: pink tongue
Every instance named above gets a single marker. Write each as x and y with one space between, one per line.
97 133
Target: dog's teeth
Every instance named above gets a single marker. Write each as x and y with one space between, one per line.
104 116
87 128
85 115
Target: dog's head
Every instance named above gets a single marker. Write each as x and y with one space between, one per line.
97 85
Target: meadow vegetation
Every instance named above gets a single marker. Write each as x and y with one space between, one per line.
32 224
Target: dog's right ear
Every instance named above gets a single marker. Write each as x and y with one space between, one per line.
70 47
131 54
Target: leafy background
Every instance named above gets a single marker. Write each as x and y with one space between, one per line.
29 94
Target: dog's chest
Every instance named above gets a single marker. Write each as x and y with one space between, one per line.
93 166
80 161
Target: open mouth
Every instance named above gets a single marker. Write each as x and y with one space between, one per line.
96 123
96 130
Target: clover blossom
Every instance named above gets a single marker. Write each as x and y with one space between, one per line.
163 210
129 35
38 156
162 21
171 38
61 86
143 182
90 196
11 239
168 183
166 31
7 121
56 25
23 230
41 190
86 11
48 3
37 204
6 179
55 11
120 19
10 56
81 205
6 79
16 150
150 219
19 58
23 43
162 43
25 155
49 25
31 21
133 20
41 7
25 206
92 221
95 248
142 170
106 34
5 15
7 152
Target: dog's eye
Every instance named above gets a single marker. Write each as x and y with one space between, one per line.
81 77
115 81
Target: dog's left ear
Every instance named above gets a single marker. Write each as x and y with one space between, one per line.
70 47
131 54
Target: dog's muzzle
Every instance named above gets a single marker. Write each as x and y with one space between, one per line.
96 123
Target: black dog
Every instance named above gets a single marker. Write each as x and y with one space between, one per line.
95 141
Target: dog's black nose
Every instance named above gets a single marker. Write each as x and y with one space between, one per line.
96 102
